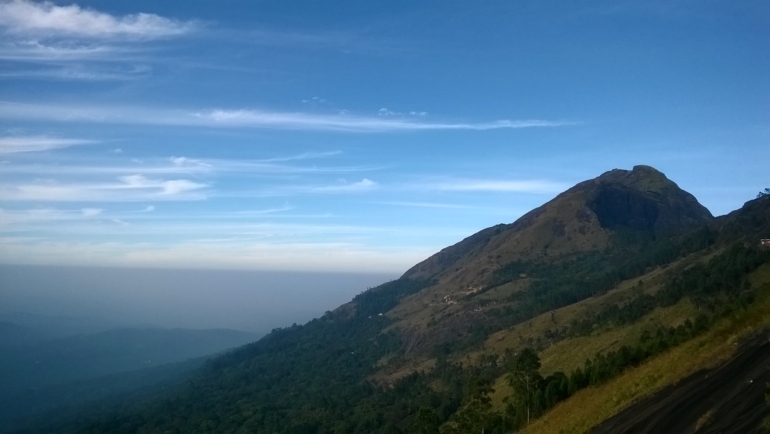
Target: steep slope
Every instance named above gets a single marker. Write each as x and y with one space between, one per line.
731 398
665 269
581 219
600 217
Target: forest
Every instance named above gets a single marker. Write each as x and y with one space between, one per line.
312 378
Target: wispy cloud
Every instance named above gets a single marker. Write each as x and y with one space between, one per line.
353 187
36 51
188 162
493 185
427 205
219 118
302 156
12 145
45 215
91 212
79 72
309 121
128 188
47 19
181 165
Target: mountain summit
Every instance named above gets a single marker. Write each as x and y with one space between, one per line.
581 219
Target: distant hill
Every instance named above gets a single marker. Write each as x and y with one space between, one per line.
85 356
56 326
63 401
618 287
13 335
39 374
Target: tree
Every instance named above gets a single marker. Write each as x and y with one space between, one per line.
426 421
765 192
524 378
476 416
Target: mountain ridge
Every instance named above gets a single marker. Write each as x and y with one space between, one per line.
577 220
436 340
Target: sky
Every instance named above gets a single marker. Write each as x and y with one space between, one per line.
355 137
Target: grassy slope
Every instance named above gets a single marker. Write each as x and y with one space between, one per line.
591 406
524 334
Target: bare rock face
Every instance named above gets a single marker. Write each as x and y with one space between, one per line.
644 199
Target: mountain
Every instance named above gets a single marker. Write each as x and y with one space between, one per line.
13 334
584 219
615 289
38 374
581 219
92 355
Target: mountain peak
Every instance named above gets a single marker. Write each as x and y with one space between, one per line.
643 199
583 218
640 177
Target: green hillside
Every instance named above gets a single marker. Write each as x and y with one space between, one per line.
503 330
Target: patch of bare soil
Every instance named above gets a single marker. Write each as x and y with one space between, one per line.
727 399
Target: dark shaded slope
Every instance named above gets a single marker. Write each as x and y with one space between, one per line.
748 224
728 399
644 199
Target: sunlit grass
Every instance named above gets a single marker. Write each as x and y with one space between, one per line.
593 405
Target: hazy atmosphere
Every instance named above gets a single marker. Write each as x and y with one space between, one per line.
345 138
443 217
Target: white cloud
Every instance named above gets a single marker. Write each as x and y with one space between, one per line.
220 118
188 162
387 112
129 188
47 19
149 208
12 145
172 187
45 215
76 72
470 185
189 166
303 156
30 50
428 205
91 212
179 186
354 187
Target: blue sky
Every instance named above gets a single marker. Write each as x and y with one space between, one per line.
355 136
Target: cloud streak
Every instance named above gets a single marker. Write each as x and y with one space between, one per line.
493 185
12 145
427 205
219 118
128 188
354 187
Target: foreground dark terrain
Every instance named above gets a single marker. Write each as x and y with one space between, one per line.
547 324
728 399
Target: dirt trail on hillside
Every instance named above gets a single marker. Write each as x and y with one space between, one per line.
727 399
